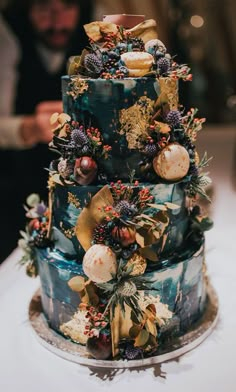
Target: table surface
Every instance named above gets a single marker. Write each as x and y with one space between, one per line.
25 365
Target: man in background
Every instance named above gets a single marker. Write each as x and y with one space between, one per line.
37 38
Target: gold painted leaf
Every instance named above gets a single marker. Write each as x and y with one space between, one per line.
142 338
77 283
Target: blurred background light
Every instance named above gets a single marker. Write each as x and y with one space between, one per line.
197 21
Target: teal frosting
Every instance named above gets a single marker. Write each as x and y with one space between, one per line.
100 106
65 215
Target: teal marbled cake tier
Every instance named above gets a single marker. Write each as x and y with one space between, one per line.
121 109
180 284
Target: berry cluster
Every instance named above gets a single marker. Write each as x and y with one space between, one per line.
97 321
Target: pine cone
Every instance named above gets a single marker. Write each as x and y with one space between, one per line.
78 136
173 118
125 209
133 352
93 63
151 150
163 65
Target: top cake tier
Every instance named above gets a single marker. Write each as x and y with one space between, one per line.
122 119
122 110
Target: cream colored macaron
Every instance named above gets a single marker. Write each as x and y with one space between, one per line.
137 60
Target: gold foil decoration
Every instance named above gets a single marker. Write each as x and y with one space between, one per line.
134 122
72 199
78 87
169 92
92 215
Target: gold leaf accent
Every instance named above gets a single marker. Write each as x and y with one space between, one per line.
92 215
169 92
78 86
134 121
69 233
73 200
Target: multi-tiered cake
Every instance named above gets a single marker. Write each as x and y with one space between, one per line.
120 247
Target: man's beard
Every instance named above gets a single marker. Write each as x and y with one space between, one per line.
55 39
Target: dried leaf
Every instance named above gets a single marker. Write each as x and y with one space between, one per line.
56 178
142 338
158 206
134 331
91 292
172 206
149 254
54 118
63 131
151 327
63 118
147 217
140 240
77 283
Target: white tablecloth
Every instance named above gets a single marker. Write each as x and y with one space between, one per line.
28 367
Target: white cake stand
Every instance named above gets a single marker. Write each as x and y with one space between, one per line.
77 353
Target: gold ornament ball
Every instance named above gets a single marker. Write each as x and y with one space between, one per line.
172 163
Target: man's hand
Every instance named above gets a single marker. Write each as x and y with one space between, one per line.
36 128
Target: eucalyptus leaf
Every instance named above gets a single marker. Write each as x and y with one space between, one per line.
33 200
77 283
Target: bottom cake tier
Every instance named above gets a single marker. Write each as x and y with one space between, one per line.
177 296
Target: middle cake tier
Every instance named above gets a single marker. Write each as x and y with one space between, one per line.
78 220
